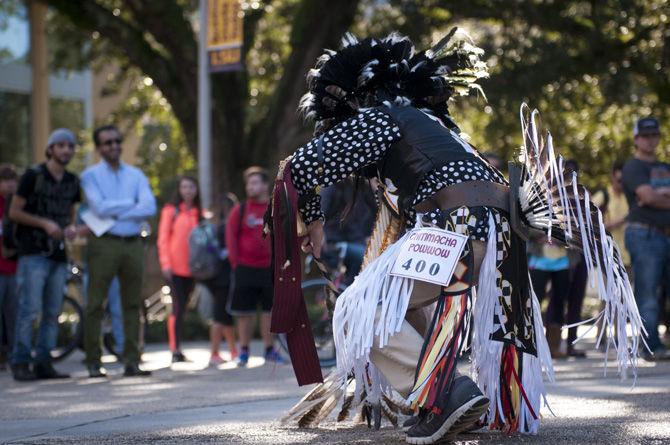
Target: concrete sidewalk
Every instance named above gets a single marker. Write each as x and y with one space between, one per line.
192 403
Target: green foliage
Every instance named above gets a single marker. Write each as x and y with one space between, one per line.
163 151
591 68
266 58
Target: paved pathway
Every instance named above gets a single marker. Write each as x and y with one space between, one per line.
194 404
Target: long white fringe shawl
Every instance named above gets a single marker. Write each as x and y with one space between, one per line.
550 200
354 324
318 403
487 353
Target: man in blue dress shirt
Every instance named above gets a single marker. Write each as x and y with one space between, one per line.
121 192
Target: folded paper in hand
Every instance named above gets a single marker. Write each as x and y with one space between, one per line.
97 224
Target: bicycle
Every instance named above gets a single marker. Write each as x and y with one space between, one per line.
319 305
71 318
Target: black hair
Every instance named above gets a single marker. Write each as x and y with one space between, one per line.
617 166
97 131
7 172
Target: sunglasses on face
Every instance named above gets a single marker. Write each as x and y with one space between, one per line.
112 141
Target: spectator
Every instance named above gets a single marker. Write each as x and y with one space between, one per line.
8 298
114 307
549 263
353 226
250 258
578 277
118 193
178 218
43 209
613 204
219 288
645 182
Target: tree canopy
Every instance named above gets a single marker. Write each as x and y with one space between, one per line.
591 67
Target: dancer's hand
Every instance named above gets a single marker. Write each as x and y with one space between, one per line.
313 242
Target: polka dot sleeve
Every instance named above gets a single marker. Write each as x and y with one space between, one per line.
348 147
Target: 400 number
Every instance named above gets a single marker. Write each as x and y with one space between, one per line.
420 266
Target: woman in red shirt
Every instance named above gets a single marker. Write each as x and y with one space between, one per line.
177 220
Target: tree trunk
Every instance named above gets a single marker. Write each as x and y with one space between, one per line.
318 24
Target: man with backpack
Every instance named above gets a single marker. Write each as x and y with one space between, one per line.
43 210
250 257
8 300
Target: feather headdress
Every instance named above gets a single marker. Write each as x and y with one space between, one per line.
390 70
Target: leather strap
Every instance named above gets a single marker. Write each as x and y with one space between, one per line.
319 155
470 194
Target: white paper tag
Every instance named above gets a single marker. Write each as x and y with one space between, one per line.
429 254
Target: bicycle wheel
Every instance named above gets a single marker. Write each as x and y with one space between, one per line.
315 295
70 329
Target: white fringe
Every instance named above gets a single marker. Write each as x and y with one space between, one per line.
531 377
354 324
542 212
487 353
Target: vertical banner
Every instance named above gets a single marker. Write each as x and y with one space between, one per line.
224 35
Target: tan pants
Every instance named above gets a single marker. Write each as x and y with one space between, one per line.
398 359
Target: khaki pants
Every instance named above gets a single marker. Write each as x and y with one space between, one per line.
398 359
109 257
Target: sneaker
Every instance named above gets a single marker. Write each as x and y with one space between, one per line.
179 357
22 373
234 354
47 371
659 354
576 353
409 423
133 370
96 371
243 359
274 357
216 360
465 405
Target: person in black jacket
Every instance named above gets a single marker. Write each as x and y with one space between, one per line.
223 325
349 211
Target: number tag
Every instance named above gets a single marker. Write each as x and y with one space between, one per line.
429 254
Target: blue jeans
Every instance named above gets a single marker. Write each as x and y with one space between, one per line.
116 313
40 284
8 303
650 257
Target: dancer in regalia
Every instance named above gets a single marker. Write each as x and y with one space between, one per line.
381 110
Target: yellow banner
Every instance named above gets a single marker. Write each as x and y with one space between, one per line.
224 35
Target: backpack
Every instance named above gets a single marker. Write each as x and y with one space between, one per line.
203 256
10 245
